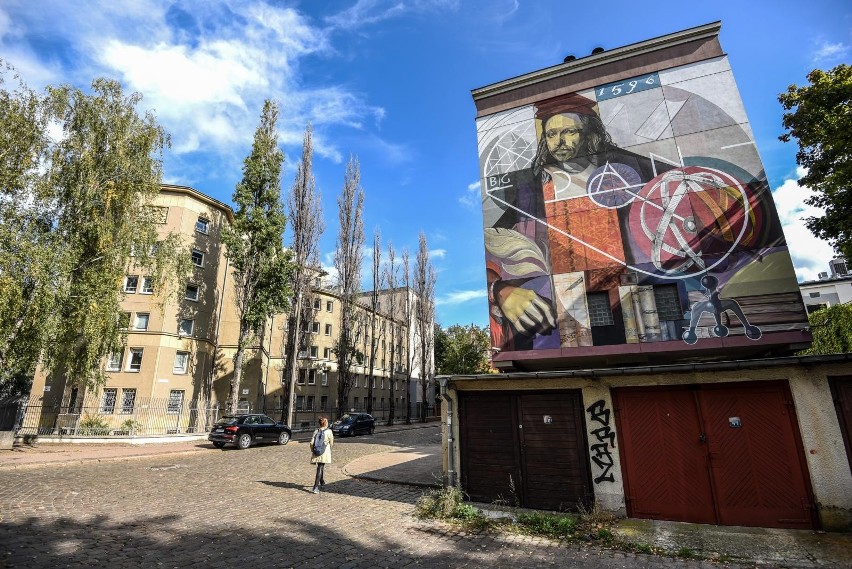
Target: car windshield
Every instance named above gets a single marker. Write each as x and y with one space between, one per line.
345 419
227 421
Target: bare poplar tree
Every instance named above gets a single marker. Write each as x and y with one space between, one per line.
374 316
305 211
347 261
408 317
424 292
390 276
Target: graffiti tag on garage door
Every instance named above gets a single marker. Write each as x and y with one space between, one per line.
600 451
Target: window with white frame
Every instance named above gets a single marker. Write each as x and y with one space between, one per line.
314 327
312 377
302 375
175 401
181 362
328 329
324 376
147 285
326 353
128 401
114 361
300 403
329 306
197 258
108 401
310 403
186 327
191 292
134 362
131 282
141 321
383 383
202 225
314 352
355 381
316 304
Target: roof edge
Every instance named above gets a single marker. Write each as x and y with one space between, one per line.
200 196
699 32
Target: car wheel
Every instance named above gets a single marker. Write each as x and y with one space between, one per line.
218 444
283 438
244 441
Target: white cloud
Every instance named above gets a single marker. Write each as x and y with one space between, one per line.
437 253
460 297
810 254
827 51
368 12
471 197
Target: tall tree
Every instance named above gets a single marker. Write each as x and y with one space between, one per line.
461 349
261 265
74 210
304 206
411 346
347 262
375 333
390 277
819 118
831 329
424 292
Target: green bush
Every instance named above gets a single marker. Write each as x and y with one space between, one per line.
93 425
131 426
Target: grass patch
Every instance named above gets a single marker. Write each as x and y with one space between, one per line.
547 525
686 553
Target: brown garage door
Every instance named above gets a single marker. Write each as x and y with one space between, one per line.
728 453
525 448
841 392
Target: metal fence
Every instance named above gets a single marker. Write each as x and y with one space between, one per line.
93 417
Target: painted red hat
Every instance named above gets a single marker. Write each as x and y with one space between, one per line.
572 103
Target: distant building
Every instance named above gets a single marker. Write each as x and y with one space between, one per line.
830 289
174 374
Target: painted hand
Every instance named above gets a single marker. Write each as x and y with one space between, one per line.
526 311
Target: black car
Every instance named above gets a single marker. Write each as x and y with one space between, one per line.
245 430
353 424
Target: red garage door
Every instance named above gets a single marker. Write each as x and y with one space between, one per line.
527 449
841 392
729 454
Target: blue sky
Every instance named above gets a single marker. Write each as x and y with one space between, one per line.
390 81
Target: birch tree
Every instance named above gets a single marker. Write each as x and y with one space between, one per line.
347 262
304 206
424 292
262 268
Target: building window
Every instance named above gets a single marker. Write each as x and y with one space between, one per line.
186 327
316 304
312 377
599 310
141 321
325 378
668 302
314 352
108 401
202 225
197 258
383 383
175 401
811 308
302 375
310 402
135 361
326 353
355 402
314 327
191 292
300 403
813 294
324 403
147 285
124 320
374 384
328 329
355 381
114 361
181 362
329 306
128 400
130 283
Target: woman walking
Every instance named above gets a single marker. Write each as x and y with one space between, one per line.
321 444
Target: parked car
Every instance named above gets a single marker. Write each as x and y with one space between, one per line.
247 429
353 424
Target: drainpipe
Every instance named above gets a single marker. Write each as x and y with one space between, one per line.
451 451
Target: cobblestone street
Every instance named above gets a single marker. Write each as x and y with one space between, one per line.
252 509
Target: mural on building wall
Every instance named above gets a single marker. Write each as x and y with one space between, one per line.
637 211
